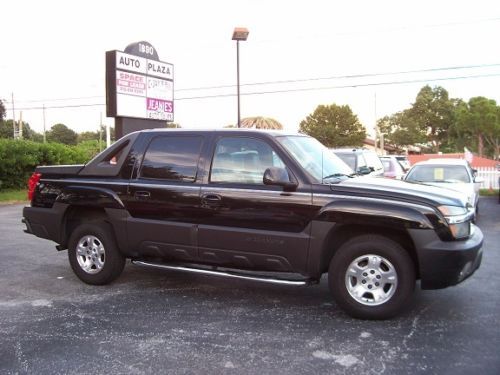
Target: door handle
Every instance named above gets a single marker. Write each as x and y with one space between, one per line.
211 198
142 194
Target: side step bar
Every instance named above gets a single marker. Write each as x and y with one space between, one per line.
233 275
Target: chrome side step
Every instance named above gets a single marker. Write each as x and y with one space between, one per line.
233 275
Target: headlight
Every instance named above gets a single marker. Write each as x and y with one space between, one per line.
456 214
458 219
452 210
461 230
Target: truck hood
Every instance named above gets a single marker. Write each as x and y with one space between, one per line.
467 189
400 190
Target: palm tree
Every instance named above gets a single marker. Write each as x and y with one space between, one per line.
260 122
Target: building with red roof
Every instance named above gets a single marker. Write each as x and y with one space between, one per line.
477 162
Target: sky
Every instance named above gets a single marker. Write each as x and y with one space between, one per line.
371 55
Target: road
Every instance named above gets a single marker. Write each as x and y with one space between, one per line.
152 321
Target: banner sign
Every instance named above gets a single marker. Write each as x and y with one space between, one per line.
139 86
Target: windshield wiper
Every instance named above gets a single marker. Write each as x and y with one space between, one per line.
339 175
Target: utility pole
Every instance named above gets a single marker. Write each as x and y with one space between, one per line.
100 132
377 131
13 117
21 125
44 131
382 145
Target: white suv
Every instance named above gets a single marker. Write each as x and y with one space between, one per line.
361 160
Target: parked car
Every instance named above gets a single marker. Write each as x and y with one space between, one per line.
392 167
361 160
273 207
452 174
404 161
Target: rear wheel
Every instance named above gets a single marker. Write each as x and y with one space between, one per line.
371 277
93 254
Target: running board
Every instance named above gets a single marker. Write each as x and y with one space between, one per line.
233 275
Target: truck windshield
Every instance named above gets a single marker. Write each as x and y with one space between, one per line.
321 163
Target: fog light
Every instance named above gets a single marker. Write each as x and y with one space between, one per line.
465 271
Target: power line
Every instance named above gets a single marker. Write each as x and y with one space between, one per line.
57 99
342 86
61 106
385 30
351 76
300 80
387 83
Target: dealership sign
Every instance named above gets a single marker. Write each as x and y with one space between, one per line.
138 85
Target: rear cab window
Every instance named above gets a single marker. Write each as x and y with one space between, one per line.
173 158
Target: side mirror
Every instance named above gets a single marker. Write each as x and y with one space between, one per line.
364 170
478 180
278 177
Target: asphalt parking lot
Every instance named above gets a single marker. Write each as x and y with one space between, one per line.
152 321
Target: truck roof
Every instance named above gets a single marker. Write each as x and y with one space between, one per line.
271 132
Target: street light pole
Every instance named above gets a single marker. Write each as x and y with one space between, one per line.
238 79
239 33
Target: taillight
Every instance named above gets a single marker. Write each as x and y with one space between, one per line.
33 181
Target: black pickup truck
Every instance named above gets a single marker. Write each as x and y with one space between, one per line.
268 206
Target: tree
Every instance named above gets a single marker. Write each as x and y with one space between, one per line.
7 131
2 111
401 130
260 122
480 120
334 126
88 136
461 134
433 113
62 134
97 135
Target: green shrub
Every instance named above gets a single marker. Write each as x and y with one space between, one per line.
19 158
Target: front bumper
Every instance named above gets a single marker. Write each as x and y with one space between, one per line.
446 263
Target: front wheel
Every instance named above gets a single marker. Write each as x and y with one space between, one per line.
94 255
371 277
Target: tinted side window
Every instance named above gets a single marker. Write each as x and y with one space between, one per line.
172 158
242 160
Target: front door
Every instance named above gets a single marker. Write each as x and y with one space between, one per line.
244 223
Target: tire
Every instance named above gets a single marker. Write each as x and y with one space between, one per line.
94 255
371 277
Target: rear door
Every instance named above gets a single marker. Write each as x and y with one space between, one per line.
163 199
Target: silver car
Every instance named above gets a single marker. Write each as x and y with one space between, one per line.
452 174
